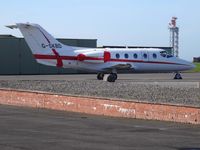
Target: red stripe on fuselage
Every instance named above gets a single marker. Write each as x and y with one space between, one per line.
40 56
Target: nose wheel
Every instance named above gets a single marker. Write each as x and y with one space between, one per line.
178 76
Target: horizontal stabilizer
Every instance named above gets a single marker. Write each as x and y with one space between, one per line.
11 26
15 26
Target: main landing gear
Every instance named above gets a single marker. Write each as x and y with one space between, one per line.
178 76
108 77
100 76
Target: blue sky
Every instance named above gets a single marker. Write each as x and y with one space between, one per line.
112 22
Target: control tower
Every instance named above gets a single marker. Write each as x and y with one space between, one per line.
174 36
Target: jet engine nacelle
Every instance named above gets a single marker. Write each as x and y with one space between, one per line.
94 56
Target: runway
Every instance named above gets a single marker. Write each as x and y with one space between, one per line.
27 129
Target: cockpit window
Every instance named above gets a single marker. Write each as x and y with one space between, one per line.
168 56
164 54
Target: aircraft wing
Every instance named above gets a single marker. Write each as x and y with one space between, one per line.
122 66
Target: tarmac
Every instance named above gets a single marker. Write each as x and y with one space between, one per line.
36 129
154 77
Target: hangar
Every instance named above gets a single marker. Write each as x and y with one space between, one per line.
16 57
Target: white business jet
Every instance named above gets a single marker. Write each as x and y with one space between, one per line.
48 51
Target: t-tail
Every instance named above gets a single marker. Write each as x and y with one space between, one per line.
41 42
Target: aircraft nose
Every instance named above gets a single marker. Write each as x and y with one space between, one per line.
192 66
186 64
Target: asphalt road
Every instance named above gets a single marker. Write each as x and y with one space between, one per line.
125 77
40 129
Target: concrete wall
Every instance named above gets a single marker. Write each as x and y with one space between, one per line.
16 57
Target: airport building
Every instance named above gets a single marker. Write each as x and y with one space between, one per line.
16 57
196 59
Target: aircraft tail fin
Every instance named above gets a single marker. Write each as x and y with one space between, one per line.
38 39
44 46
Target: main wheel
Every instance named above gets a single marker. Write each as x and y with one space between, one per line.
114 75
111 78
100 76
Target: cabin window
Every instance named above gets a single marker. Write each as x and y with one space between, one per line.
126 55
154 56
135 56
117 56
145 56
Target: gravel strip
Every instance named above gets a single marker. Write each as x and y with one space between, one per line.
129 90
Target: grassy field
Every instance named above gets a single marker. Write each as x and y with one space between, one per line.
197 69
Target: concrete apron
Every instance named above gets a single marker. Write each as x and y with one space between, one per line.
101 106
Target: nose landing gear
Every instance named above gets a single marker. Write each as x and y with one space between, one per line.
178 76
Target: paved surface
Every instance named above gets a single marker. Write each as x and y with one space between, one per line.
40 129
125 77
156 88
